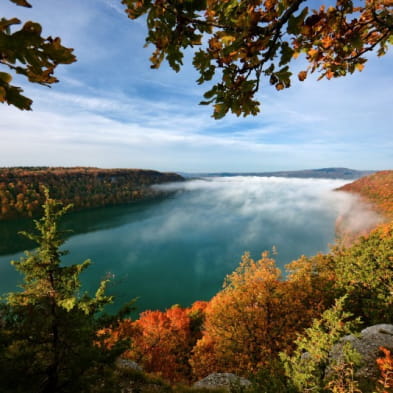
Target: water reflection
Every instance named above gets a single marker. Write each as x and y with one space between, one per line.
74 223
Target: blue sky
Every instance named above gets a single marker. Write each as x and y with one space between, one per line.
111 110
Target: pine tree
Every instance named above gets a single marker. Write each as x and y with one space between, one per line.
49 341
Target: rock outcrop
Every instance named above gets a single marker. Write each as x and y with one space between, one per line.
222 381
126 364
367 345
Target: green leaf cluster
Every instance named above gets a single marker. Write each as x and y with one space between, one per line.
307 365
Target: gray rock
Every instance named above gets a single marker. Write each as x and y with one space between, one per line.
222 381
127 364
367 345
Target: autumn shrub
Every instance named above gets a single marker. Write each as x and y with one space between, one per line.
342 373
162 341
385 365
255 316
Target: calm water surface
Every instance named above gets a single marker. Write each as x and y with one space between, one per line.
178 250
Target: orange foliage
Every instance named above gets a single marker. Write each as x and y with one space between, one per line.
241 329
124 330
385 365
377 189
256 316
313 279
162 341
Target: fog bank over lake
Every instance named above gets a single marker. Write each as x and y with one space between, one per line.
179 250
280 202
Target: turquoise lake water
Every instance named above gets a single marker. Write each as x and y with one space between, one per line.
179 249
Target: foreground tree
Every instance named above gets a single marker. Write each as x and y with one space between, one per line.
48 330
27 53
254 317
307 365
242 41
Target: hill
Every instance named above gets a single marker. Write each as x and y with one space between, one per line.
376 189
21 188
323 173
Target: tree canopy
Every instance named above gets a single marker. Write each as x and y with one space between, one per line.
26 52
240 42
258 314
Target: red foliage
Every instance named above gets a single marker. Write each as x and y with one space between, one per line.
162 341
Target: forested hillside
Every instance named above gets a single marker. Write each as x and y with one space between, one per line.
377 189
21 189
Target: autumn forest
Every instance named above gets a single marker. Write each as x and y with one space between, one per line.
22 194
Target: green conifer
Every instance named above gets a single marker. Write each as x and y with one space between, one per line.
49 341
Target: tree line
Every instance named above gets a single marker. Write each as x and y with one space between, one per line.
22 189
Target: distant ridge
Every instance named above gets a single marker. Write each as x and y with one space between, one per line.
22 194
376 189
323 173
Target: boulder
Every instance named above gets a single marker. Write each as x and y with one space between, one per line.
367 345
126 364
222 381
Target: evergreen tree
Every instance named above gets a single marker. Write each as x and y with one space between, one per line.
49 341
306 367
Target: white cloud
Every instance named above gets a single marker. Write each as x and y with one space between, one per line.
114 5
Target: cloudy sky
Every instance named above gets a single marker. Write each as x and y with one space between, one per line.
111 110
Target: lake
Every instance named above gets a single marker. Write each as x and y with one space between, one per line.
178 249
